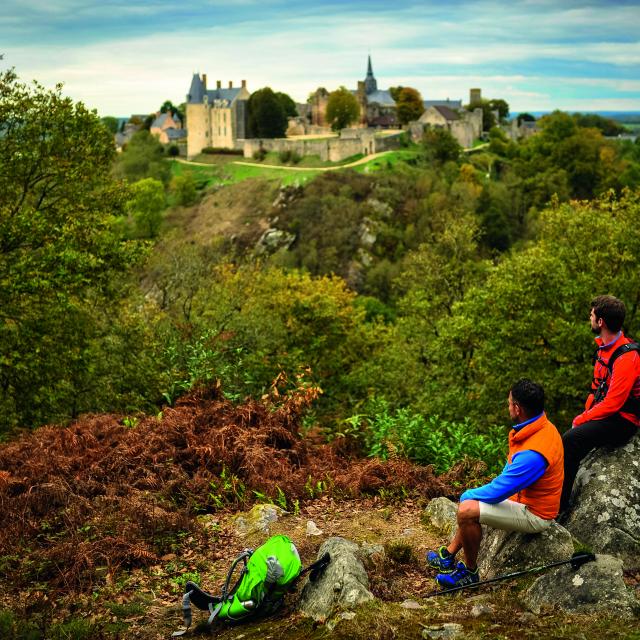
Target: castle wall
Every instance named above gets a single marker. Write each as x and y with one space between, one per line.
355 141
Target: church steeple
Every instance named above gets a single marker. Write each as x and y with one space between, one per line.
370 84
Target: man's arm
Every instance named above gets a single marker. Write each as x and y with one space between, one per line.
526 467
623 378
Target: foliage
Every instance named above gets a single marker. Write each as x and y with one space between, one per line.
606 126
488 117
110 123
342 109
61 259
169 107
530 317
501 106
222 151
409 105
440 145
388 433
267 116
183 189
289 106
146 206
143 157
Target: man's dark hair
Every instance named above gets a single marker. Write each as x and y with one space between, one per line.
611 310
529 395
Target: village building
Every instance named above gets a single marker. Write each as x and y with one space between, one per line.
167 128
465 126
215 117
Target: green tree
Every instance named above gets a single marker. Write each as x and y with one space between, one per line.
342 109
440 145
409 105
501 106
143 157
61 259
146 206
183 188
110 123
267 116
488 118
530 316
289 106
169 107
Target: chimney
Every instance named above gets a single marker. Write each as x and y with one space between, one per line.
230 84
204 80
244 84
218 84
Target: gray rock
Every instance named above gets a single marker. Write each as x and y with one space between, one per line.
606 503
441 515
411 604
481 611
257 520
443 632
273 239
505 551
596 587
343 585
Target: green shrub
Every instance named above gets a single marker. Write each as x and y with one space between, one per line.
173 150
426 440
260 154
223 151
284 156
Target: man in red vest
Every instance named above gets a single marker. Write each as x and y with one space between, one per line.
525 497
611 415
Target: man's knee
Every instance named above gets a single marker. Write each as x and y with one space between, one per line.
468 511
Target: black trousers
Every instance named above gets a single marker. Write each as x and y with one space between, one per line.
610 432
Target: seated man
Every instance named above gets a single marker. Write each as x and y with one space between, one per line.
525 497
612 413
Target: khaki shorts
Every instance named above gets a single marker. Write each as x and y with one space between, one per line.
510 515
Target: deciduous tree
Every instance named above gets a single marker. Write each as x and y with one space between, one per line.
60 254
342 109
267 116
409 105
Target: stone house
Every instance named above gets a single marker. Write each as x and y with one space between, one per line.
464 126
215 117
167 128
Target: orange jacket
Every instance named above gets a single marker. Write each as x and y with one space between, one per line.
543 496
625 381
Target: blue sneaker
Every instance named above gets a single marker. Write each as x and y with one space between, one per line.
441 560
461 577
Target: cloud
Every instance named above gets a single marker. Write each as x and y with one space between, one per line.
524 51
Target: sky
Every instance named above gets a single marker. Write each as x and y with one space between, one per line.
127 56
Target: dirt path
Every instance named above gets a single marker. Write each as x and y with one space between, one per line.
364 160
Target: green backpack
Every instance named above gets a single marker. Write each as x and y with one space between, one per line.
267 574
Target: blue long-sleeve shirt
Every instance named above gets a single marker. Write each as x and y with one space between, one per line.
526 467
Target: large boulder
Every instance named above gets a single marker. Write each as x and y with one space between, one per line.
344 584
441 516
507 551
605 511
596 587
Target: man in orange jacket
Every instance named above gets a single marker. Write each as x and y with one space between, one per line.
525 497
612 411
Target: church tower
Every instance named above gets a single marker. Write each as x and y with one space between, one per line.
370 84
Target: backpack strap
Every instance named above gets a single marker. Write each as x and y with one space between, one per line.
620 351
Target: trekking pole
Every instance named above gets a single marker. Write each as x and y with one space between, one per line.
576 561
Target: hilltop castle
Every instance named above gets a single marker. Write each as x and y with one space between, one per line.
215 117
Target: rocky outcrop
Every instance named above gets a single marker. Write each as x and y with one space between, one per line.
504 551
343 585
596 587
605 511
